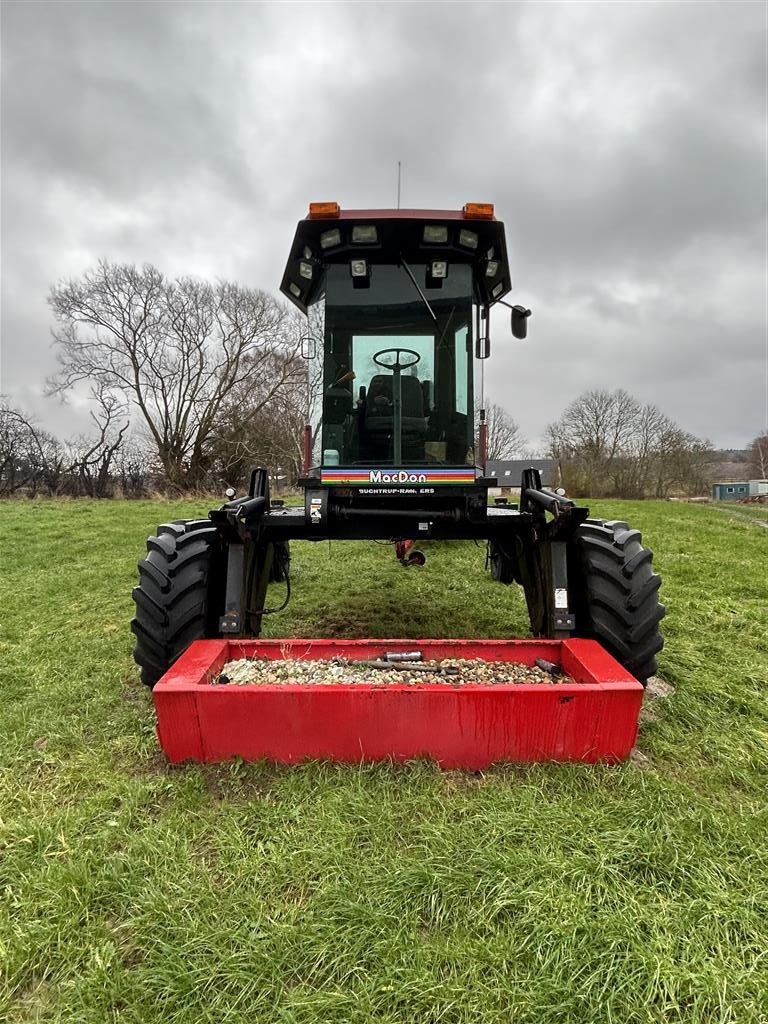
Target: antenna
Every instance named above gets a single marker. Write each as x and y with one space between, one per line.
398 184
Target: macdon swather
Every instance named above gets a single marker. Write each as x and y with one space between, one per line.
399 313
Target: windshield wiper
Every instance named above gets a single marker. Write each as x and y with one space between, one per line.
424 298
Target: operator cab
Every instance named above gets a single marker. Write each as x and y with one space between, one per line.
397 388
395 293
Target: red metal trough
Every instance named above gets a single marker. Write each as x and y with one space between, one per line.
464 726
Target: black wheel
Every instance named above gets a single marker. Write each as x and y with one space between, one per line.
615 594
281 562
180 595
501 565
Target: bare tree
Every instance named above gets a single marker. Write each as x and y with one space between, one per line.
260 425
758 457
504 438
94 458
16 468
32 461
257 427
592 436
607 443
14 437
137 470
177 350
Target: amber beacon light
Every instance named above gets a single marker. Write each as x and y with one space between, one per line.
324 210
478 211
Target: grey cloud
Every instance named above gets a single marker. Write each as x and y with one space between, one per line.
88 91
623 145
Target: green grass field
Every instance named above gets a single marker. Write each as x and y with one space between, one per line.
140 893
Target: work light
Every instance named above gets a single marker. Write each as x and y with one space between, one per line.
330 238
468 239
435 234
361 273
365 233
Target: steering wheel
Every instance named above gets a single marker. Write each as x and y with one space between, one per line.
397 365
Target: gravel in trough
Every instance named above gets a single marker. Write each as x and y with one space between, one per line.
266 672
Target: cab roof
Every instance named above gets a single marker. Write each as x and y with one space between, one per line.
331 235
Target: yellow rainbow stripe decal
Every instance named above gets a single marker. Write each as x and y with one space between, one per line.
397 477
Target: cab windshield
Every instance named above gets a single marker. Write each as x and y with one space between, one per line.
397 384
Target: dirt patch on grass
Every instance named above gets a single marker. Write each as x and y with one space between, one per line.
657 687
157 764
656 691
456 780
639 759
37 1000
239 780
133 690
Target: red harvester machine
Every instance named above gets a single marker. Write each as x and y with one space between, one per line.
404 297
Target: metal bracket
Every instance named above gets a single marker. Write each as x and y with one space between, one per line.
231 622
563 621
259 484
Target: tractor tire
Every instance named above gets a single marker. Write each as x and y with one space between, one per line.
502 567
615 594
180 595
281 562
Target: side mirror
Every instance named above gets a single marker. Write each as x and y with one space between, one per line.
520 321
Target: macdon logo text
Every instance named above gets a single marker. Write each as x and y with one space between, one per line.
402 477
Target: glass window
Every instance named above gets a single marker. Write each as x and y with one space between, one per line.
365 347
375 414
462 367
313 347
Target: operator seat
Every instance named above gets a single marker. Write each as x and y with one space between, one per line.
379 406
378 415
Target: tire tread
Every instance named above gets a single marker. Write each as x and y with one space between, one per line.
176 597
616 596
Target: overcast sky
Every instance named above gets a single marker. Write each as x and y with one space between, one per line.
624 146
